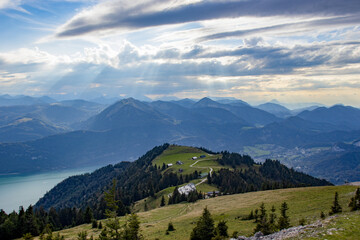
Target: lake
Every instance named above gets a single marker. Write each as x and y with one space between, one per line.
23 190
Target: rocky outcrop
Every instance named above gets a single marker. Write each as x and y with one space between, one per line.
310 229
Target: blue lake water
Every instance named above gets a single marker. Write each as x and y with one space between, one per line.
23 190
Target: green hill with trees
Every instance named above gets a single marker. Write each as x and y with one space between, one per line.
158 170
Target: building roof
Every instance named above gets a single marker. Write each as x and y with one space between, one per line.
187 189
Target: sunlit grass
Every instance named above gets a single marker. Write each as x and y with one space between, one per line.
304 203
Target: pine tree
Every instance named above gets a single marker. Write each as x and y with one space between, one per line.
175 197
284 221
113 227
146 207
88 217
355 201
114 230
132 228
251 215
222 229
204 229
263 223
31 225
94 224
335 208
209 179
21 221
170 227
162 201
256 215
272 218
151 189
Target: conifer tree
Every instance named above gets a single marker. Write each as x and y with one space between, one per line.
209 178
146 206
355 201
114 230
284 221
204 229
132 228
256 215
272 218
113 227
222 229
263 223
170 227
335 208
251 215
21 221
88 215
94 223
31 225
162 203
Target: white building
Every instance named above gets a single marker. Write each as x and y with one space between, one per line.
187 189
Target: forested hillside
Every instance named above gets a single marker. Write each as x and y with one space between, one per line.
142 178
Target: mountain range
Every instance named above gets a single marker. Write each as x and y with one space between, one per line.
79 133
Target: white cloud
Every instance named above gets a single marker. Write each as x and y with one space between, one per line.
9 3
12 4
249 67
115 15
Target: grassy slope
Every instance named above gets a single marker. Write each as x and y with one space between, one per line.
344 226
303 203
184 154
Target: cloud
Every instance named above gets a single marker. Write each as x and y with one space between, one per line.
12 4
117 15
289 27
9 3
131 70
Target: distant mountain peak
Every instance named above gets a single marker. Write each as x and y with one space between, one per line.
127 102
275 108
340 115
206 99
207 102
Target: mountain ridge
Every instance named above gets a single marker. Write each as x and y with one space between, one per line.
127 128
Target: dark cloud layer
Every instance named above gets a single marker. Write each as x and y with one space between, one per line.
207 10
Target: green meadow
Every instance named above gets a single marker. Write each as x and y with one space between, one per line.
304 203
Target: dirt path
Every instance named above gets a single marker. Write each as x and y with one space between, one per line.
211 170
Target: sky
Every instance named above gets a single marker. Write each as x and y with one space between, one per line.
254 50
